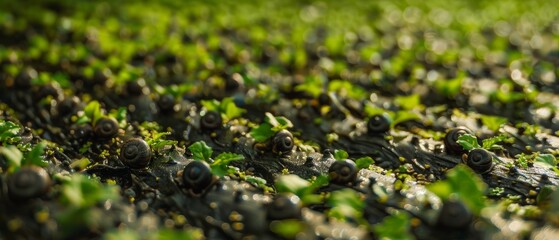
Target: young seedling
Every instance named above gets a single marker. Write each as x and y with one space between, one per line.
220 165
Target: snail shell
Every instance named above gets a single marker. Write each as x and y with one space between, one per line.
211 120
480 160
343 172
378 124
454 215
135 153
166 103
450 144
284 207
29 182
106 127
68 105
283 142
197 176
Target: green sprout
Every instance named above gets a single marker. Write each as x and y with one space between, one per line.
155 137
81 195
340 154
16 159
469 142
91 113
494 123
269 127
347 205
304 189
225 107
9 132
313 85
463 183
364 162
395 226
220 165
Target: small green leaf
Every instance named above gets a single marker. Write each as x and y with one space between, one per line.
493 143
13 156
292 184
35 156
226 107
172 234
288 228
450 88
81 191
278 123
8 130
312 85
396 226
404 116
230 109
262 133
121 234
220 166
464 184
468 142
258 181
120 116
340 154
494 123
201 151
346 204
210 105
83 119
226 158
93 111
547 159
408 102
364 162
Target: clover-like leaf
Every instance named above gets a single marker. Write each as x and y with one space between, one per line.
201 151
468 142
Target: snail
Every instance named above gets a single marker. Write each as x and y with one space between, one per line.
284 207
450 144
480 160
68 105
211 120
454 215
197 176
29 182
106 127
343 172
283 142
378 124
166 103
135 153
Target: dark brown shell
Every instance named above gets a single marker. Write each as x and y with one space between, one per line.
211 120
197 176
166 103
378 124
343 172
135 153
106 127
282 142
28 182
480 160
450 144
454 215
284 207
